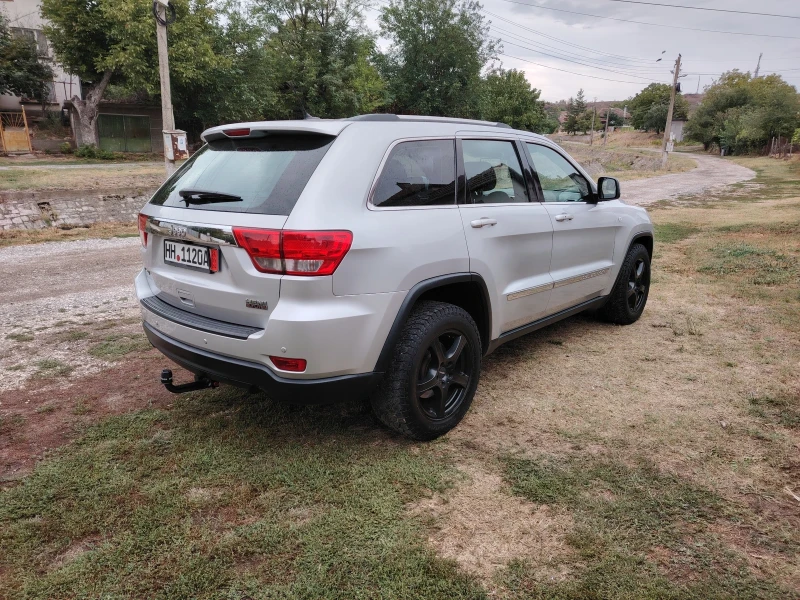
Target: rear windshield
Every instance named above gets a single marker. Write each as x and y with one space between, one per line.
262 175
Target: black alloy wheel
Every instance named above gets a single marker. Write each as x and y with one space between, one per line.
638 283
444 375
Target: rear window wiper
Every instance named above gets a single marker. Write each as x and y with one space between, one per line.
207 197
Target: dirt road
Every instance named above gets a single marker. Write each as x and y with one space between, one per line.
712 173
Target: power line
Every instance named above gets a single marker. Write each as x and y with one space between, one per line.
570 72
722 10
560 41
630 70
648 79
572 12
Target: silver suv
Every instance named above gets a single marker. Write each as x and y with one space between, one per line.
379 256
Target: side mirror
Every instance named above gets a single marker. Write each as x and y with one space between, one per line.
608 188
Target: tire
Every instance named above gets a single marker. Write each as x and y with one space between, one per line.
628 298
433 373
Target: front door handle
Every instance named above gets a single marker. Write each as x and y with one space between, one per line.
564 217
483 222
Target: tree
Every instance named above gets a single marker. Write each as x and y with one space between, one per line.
21 72
320 57
576 114
115 41
742 114
507 97
438 50
643 106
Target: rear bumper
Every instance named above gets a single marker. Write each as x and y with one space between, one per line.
248 374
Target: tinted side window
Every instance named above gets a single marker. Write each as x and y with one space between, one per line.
560 181
494 172
419 173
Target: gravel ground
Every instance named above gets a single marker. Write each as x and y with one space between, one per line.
114 166
711 174
56 286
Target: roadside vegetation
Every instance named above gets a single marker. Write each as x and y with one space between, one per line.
655 461
624 163
15 237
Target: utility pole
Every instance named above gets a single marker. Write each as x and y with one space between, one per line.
167 116
605 135
668 126
758 67
594 112
698 84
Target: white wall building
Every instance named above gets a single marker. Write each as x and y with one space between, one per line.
24 19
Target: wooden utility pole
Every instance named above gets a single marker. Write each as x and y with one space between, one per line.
594 112
163 71
608 118
758 67
668 126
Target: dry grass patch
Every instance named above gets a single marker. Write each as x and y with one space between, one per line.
18 237
624 163
482 527
146 176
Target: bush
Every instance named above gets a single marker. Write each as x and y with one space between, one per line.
65 148
92 151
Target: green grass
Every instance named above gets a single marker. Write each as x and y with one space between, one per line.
624 516
51 367
782 409
117 346
760 266
669 233
227 496
20 337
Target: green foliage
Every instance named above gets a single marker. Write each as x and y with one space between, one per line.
648 106
742 114
93 152
796 136
438 49
576 114
319 57
21 72
65 148
507 97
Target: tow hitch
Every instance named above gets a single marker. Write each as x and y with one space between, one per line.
201 382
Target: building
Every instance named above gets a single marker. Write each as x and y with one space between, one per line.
24 19
127 126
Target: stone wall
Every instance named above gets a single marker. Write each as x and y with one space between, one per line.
40 209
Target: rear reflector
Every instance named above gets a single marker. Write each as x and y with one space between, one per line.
296 365
213 260
143 229
243 132
304 253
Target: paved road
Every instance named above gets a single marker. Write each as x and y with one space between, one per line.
712 173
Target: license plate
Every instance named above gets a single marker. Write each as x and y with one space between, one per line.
191 256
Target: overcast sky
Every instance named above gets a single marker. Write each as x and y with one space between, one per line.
627 52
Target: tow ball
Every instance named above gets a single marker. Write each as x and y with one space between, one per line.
201 382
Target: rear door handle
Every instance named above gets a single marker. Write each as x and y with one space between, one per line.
483 222
564 217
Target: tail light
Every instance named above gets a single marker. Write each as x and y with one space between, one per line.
297 365
308 253
143 229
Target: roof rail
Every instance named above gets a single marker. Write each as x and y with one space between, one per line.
386 118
